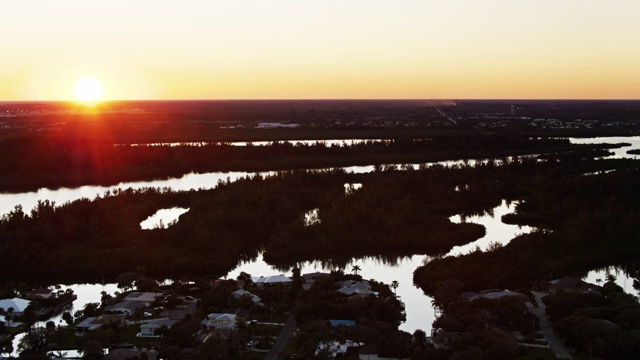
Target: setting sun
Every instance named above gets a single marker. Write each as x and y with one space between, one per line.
88 89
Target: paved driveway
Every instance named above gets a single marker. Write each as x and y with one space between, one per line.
545 328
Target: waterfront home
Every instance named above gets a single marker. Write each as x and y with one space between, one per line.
271 280
351 287
16 305
146 298
125 307
92 323
40 294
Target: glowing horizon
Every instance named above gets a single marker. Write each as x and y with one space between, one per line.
299 49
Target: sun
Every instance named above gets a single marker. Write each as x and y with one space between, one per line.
88 89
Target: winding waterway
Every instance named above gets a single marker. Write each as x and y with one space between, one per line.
420 314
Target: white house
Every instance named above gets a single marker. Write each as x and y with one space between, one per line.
18 305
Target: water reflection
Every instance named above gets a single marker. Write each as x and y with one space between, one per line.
312 217
86 293
420 314
618 153
623 278
497 232
190 181
163 218
351 188
385 269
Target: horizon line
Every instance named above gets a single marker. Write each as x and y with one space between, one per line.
322 99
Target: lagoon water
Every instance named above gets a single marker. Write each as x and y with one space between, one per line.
163 218
618 153
420 314
497 231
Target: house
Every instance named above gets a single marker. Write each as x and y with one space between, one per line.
254 298
92 323
125 307
146 298
40 294
571 284
271 280
123 354
17 305
149 328
220 321
3 321
351 287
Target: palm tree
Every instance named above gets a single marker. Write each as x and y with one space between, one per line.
394 285
9 315
356 269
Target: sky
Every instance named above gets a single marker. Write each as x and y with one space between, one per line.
322 49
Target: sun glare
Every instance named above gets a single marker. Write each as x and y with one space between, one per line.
88 90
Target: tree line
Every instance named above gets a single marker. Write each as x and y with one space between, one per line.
30 163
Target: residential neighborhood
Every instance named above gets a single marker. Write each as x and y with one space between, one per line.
330 316
242 317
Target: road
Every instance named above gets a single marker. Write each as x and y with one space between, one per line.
545 328
450 118
283 338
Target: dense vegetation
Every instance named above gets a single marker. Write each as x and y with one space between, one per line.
60 161
583 222
605 326
396 212
89 239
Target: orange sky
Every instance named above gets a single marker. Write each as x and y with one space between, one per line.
217 49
